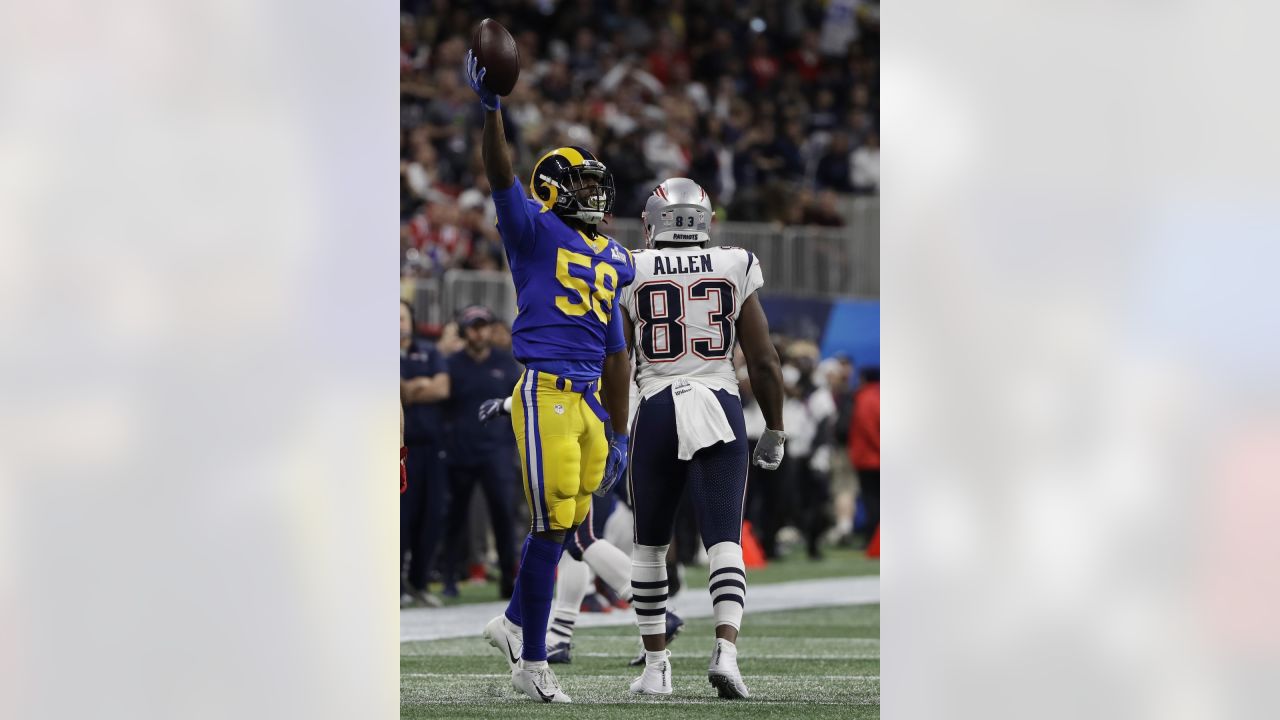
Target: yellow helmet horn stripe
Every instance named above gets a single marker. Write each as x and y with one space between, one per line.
573 156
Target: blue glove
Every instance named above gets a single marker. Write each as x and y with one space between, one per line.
492 408
615 467
475 78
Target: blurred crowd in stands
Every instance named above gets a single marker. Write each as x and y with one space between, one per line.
827 491
771 106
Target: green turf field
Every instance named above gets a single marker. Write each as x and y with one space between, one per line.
839 562
817 663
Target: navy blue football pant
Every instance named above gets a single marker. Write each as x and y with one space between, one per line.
496 477
422 508
716 476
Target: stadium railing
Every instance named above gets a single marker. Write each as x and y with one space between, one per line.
799 261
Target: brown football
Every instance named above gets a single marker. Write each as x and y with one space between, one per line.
497 53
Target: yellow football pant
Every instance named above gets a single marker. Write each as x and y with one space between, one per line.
559 427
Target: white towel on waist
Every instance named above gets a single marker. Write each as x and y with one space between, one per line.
700 419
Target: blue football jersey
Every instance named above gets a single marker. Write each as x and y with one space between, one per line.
567 282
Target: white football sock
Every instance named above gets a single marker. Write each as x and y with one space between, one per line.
612 565
649 583
619 529
727 582
572 579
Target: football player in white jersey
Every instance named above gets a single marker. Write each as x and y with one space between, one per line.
689 305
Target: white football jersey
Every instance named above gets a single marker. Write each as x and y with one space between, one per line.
684 304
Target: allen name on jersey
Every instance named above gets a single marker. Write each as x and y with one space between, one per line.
682 264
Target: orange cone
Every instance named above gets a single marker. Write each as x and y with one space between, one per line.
873 550
752 555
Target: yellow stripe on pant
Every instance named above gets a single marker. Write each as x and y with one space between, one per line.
562 445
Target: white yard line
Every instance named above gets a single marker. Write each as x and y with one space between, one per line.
465 620
753 676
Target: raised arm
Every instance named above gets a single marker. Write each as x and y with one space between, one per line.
497 158
514 223
765 371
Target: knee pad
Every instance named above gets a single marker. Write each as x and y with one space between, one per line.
649 587
727 583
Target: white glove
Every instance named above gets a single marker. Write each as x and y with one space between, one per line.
769 449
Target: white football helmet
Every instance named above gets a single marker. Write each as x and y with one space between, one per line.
679 212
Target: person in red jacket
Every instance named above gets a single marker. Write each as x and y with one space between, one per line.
864 446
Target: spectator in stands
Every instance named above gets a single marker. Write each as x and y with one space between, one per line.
665 57
665 155
480 455
704 161
838 373
809 415
864 446
413 55
834 166
839 27
421 173
823 116
438 233
762 63
424 385
821 210
450 340
866 165
447 116
500 336
485 251
806 59
582 60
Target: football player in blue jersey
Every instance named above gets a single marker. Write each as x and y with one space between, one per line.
568 335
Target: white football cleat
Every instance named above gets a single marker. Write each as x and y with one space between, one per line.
656 679
724 674
536 680
507 637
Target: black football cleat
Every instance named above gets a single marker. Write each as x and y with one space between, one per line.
560 654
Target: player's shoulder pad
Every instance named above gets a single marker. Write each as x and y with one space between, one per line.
619 253
740 254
